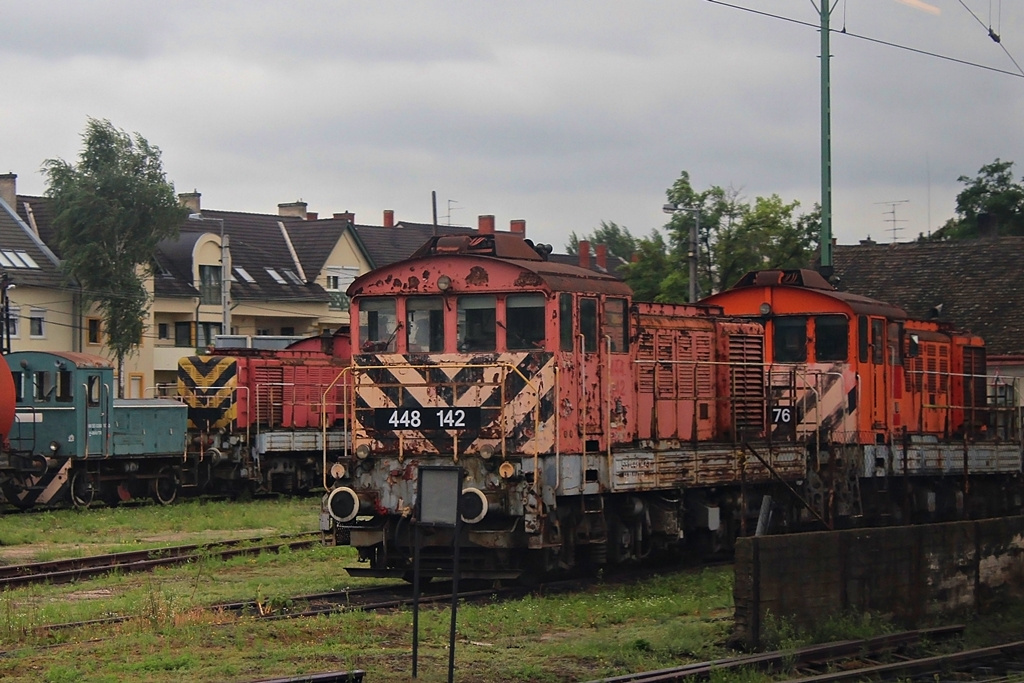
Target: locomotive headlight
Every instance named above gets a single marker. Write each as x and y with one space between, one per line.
338 470
487 451
766 308
506 470
54 446
362 451
444 283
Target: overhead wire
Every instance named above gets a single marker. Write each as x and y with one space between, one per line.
996 38
898 46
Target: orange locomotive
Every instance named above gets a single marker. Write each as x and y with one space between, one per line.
592 429
875 395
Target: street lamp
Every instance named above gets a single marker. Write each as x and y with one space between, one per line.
692 252
225 272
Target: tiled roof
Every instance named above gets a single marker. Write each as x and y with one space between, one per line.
37 212
173 276
977 282
315 240
42 269
387 245
258 246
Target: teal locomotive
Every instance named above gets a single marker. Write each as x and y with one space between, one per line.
73 440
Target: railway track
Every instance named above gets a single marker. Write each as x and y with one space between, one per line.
846 653
67 571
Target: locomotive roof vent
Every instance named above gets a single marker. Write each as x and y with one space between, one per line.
801 277
498 244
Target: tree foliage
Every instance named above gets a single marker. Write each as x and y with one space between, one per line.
990 196
110 211
733 236
616 237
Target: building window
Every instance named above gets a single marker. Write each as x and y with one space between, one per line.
287 331
13 318
163 331
37 329
209 284
183 334
338 280
94 334
205 334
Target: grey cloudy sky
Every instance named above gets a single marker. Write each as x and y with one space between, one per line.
561 113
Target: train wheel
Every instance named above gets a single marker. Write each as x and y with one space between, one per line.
165 486
83 489
16 492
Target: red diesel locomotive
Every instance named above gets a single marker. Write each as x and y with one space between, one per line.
595 429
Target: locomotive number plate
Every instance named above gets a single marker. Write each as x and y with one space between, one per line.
394 419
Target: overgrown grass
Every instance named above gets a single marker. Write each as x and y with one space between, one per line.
57 534
172 636
601 632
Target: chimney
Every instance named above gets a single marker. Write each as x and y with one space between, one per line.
312 216
293 209
602 256
868 242
190 200
389 218
346 216
9 189
518 226
584 249
485 224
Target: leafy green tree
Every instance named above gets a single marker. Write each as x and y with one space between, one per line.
616 237
733 238
993 196
110 211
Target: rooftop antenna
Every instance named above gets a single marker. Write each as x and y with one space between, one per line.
450 209
892 220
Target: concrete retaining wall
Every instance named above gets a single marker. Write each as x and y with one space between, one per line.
906 572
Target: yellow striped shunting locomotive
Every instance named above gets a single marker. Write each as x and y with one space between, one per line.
591 429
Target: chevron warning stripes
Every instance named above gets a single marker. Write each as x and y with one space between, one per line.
515 392
207 385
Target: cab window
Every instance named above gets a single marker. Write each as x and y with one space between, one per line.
424 324
64 386
42 385
378 325
19 386
790 339
614 326
831 338
565 322
476 323
93 388
588 323
524 321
